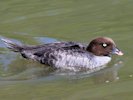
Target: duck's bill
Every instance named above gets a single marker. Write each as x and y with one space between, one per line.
117 52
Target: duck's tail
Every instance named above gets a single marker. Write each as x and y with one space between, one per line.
12 46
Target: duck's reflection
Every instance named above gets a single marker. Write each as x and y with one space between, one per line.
108 74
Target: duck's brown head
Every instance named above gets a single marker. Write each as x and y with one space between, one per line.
103 46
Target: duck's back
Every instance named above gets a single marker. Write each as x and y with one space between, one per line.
56 54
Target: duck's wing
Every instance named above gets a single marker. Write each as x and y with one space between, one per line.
50 53
46 49
56 45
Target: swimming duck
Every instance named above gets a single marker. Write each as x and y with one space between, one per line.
69 55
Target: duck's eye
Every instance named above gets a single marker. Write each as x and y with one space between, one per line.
104 45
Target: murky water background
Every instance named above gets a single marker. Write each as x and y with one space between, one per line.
45 21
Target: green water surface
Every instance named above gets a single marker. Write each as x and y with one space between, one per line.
44 21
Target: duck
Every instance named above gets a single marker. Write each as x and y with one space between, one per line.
69 55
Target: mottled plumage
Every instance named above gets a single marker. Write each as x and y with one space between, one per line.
69 55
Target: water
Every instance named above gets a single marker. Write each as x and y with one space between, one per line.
44 21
